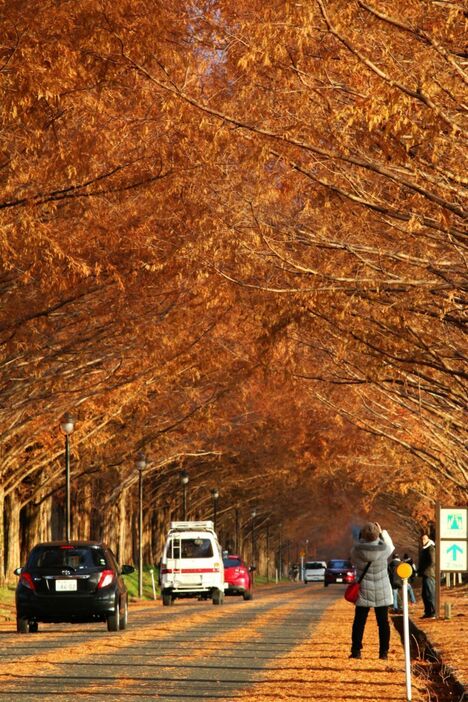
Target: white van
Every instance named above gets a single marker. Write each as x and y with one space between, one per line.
192 563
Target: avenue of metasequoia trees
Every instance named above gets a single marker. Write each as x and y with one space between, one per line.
232 236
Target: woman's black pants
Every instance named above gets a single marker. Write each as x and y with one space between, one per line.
360 618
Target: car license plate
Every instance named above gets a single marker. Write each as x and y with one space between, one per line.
65 585
339 580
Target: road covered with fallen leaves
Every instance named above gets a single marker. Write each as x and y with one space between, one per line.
291 642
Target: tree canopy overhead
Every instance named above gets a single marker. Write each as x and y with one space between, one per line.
233 234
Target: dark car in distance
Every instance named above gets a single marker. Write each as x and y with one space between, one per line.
238 577
339 570
75 581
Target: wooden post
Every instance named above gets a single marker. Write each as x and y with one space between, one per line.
437 561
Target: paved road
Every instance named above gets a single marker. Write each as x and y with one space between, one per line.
191 651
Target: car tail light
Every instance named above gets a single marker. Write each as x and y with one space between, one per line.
107 577
27 581
350 573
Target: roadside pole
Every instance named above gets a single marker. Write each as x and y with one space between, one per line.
404 570
301 555
152 580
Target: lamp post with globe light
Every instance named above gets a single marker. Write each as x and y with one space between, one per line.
184 478
67 425
141 465
215 495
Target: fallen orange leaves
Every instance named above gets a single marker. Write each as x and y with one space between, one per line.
320 667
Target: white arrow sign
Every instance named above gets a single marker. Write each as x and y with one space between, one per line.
453 555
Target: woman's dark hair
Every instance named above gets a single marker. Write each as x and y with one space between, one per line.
370 532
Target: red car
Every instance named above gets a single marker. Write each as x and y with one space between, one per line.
238 577
339 571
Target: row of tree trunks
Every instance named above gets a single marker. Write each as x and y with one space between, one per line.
24 526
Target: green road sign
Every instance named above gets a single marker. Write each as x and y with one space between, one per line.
453 555
453 523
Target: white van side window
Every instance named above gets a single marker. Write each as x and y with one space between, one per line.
173 548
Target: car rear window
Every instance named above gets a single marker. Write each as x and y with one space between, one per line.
66 557
339 564
232 562
314 566
190 548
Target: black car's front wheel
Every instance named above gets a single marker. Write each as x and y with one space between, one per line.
113 620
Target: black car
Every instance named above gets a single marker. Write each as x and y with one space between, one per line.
71 581
339 570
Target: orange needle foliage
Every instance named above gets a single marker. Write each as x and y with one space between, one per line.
231 235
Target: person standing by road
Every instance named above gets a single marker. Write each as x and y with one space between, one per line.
374 547
395 581
407 559
426 569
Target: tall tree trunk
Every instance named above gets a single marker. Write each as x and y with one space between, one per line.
81 525
13 556
109 531
2 536
122 553
57 519
37 524
133 512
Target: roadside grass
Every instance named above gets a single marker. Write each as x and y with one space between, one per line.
131 582
263 580
7 603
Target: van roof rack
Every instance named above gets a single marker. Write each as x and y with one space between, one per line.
192 526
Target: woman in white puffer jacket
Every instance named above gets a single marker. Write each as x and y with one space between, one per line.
374 547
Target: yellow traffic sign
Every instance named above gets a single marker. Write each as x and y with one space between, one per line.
404 570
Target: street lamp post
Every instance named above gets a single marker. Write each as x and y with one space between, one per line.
280 553
254 514
67 425
141 465
215 495
184 478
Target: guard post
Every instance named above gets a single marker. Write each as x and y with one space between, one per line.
404 570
